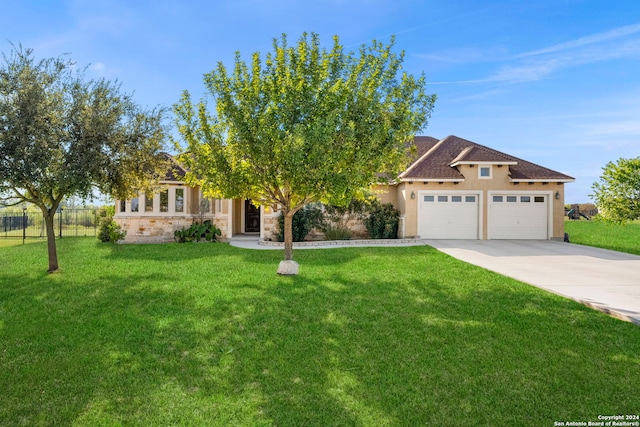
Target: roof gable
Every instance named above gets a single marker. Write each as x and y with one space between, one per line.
439 161
175 171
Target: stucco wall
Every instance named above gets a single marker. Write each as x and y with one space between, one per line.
499 181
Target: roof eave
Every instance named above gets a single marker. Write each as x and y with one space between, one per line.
563 180
432 180
471 162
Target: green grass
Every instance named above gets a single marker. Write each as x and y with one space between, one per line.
208 334
622 238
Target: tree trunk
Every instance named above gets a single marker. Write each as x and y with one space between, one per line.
48 215
288 236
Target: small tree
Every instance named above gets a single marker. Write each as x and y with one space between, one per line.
62 135
617 194
303 125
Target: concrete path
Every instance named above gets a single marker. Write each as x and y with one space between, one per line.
605 280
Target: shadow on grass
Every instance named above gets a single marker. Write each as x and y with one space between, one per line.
369 343
179 252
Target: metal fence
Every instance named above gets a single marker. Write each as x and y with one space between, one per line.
67 222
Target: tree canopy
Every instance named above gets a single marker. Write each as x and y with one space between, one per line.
304 124
617 193
64 135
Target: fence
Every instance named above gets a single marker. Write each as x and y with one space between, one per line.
67 222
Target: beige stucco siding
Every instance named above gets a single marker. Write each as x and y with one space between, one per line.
484 187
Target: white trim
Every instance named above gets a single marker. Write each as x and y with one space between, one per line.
230 219
475 162
550 203
142 197
480 167
549 180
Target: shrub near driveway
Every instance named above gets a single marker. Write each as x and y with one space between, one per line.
209 335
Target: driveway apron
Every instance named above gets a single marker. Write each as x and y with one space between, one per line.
605 280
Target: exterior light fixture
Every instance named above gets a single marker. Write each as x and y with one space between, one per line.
413 195
557 195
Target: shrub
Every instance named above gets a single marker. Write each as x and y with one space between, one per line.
382 220
110 231
337 218
303 221
206 231
336 232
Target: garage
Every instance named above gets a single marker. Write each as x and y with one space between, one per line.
448 215
518 216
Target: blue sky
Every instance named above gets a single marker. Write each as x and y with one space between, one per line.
556 82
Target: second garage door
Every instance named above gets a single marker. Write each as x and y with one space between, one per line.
518 216
448 216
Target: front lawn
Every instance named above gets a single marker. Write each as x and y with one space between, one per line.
622 238
208 334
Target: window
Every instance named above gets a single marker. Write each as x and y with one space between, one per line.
429 198
456 199
148 203
470 199
538 199
164 201
525 199
443 198
135 202
512 199
179 200
497 199
484 172
123 205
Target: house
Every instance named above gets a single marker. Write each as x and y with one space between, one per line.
453 189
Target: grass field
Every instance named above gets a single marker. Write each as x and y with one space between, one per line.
622 238
209 335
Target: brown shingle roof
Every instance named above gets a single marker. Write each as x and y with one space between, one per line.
175 172
439 159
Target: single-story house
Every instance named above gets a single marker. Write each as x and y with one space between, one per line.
453 189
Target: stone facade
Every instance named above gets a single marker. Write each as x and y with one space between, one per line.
142 229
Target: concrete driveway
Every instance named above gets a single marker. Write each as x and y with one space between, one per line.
605 280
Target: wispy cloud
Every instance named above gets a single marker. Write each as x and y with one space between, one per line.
542 63
585 41
455 56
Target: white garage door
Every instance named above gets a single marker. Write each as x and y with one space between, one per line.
448 216
519 216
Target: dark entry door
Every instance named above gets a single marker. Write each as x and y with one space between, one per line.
251 217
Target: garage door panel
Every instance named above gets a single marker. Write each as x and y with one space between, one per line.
448 216
522 216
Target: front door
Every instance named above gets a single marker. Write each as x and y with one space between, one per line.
251 217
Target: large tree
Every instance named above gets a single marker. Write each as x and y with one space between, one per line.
64 135
617 193
305 125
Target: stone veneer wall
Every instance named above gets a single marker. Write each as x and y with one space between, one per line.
270 222
151 229
142 229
